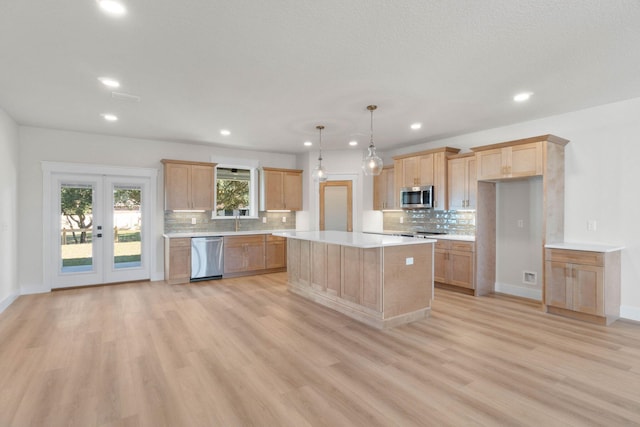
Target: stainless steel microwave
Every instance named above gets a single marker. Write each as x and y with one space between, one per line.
416 197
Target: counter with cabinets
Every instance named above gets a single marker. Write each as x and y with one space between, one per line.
245 253
379 280
583 281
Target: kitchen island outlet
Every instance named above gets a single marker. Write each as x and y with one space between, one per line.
382 281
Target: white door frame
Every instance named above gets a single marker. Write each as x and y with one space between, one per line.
49 172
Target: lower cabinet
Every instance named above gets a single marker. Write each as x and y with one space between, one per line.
244 254
177 260
276 251
347 273
583 284
454 263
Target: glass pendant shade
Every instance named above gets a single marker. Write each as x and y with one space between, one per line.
372 164
319 173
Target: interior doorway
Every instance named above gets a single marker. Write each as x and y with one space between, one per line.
336 206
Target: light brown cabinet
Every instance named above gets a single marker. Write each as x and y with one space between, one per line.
243 254
177 260
462 181
188 185
583 284
282 189
384 196
424 168
454 263
514 161
276 251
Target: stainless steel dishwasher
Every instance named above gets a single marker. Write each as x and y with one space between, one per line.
207 258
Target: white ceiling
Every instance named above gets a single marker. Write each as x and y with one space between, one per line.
269 71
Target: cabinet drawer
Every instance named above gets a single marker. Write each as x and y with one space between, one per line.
458 245
180 242
252 239
574 257
443 244
272 238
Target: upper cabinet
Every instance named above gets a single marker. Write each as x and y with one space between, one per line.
282 189
462 181
514 159
384 190
188 185
425 168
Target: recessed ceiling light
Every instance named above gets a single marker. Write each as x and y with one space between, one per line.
113 7
353 143
109 82
225 132
110 117
521 97
308 143
416 126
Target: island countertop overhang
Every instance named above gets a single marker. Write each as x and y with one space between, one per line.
358 240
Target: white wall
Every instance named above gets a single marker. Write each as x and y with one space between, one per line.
38 145
601 178
9 289
519 245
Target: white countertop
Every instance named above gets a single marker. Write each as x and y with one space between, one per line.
464 237
359 240
589 247
221 233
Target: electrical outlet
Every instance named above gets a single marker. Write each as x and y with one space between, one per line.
592 225
401 220
264 219
284 219
520 223
193 221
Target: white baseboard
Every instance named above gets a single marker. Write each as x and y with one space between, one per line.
519 291
8 301
631 313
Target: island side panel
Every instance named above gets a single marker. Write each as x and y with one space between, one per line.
371 295
407 288
334 269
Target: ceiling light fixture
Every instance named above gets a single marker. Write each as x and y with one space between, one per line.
372 164
112 7
319 173
353 143
109 82
416 126
521 97
308 143
110 117
225 132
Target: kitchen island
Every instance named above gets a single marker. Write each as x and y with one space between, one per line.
380 280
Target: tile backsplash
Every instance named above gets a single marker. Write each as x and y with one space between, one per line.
451 222
180 222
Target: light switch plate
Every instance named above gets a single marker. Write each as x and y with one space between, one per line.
193 221
264 219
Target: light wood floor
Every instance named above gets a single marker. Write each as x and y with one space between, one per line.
241 352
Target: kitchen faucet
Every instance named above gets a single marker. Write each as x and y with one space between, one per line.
237 220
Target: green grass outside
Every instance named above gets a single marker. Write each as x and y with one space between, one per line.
73 262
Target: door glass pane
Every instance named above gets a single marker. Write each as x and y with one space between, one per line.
335 208
76 220
127 226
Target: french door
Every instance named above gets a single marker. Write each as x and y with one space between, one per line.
100 224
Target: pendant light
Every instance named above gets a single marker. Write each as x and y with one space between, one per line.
372 164
319 173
